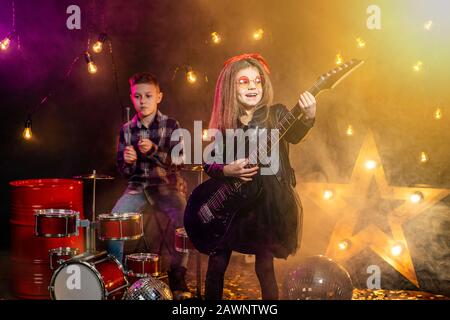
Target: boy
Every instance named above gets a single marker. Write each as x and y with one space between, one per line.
152 179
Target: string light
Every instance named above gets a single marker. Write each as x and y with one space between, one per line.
92 68
4 44
258 34
328 194
397 249
98 45
215 37
349 130
27 133
418 66
438 114
191 77
370 164
416 197
339 59
361 43
424 157
205 135
427 26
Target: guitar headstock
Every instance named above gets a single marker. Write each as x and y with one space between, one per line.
330 79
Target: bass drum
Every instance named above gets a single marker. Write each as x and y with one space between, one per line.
89 277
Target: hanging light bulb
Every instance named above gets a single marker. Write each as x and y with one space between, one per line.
27 133
416 197
215 37
344 244
4 44
97 47
191 77
424 157
427 26
258 34
205 135
92 68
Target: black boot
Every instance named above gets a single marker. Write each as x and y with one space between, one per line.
177 283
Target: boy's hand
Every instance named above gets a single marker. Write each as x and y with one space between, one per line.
129 155
146 145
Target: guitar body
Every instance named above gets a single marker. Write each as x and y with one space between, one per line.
207 234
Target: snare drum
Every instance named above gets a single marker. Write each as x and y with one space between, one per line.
143 264
120 226
89 277
182 242
56 223
59 255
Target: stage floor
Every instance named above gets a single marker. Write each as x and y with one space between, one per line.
241 283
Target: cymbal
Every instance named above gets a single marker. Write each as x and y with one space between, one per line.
92 176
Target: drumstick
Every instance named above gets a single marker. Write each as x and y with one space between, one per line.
128 127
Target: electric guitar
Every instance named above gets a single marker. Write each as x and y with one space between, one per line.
213 204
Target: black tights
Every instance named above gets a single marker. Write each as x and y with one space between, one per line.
265 272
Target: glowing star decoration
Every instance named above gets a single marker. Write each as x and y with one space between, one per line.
339 59
351 197
418 66
215 38
360 42
258 34
349 131
427 26
438 114
424 157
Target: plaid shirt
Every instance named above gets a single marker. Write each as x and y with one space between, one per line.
151 169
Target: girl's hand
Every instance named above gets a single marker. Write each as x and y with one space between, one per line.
307 103
237 169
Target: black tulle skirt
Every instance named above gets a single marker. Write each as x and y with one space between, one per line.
273 222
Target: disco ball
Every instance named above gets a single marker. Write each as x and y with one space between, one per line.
148 289
318 278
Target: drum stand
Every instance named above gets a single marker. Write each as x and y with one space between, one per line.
91 225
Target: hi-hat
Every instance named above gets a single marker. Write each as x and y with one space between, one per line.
192 168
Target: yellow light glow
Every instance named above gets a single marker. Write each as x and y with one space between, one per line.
371 164
427 26
418 66
27 133
438 114
97 47
191 77
205 134
396 250
361 43
416 197
92 68
344 244
349 130
216 38
5 43
339 59
258 34
423 157
328 194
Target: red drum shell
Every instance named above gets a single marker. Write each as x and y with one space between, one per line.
125 226
59 255
56 223
144 264
182 242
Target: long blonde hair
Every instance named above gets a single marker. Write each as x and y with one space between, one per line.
226 108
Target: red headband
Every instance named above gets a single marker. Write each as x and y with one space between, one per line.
244 56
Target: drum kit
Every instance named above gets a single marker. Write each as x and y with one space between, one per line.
95 275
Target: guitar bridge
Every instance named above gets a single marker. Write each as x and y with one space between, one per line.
205 214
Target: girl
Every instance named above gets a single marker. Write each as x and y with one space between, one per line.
243 99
